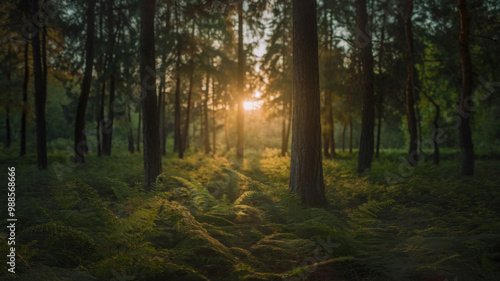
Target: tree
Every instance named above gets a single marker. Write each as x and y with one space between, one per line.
151 131
306 170
364 43
466 145
40 93
25 100
410 92
80 140
240 140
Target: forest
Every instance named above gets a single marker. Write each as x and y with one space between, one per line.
250 140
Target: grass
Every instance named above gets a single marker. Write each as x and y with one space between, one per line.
210 218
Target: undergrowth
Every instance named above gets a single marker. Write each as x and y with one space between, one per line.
211 219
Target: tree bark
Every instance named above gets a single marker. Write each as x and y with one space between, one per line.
188 110
410 97
81 146
100 119
306 170
364 43
206 135
130 137
108 125
152 154
465 132
351 92
40 96
8 138
380 99
177 103
25 100
139 131
240 143
214 128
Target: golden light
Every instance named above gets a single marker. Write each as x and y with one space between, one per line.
252 105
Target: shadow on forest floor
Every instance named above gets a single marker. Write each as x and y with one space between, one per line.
213 219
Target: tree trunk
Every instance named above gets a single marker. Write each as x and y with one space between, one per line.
161 110
152 154
177 103
188 110
240 144
40 96
465 132
343 137
130 133
351 92
306 170
214 128
410 97
366 56
379 129
226 129
139 131
380 99
206 135
108 125
100 120
25 100
80 141
8 137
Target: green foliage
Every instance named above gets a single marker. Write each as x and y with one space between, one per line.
208 220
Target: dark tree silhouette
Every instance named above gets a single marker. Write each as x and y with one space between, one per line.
40 94
240 140
152 153
306 170
80 140
410 95
364 44
465 113
25 100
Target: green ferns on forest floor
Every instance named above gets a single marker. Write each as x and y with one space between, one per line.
210 219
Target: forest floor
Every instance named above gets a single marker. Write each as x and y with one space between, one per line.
213 219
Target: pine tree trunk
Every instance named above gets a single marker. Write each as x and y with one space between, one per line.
465 132
100 120
379 129
214 128
108 125
40 96
410 97
382 87
139 131
367 123
226 130
130 137
8 137
306 170
351 91
25 100
206 135
343 137
240 144
185 135
152 154
80 141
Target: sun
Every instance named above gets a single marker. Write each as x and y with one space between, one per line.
251 105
